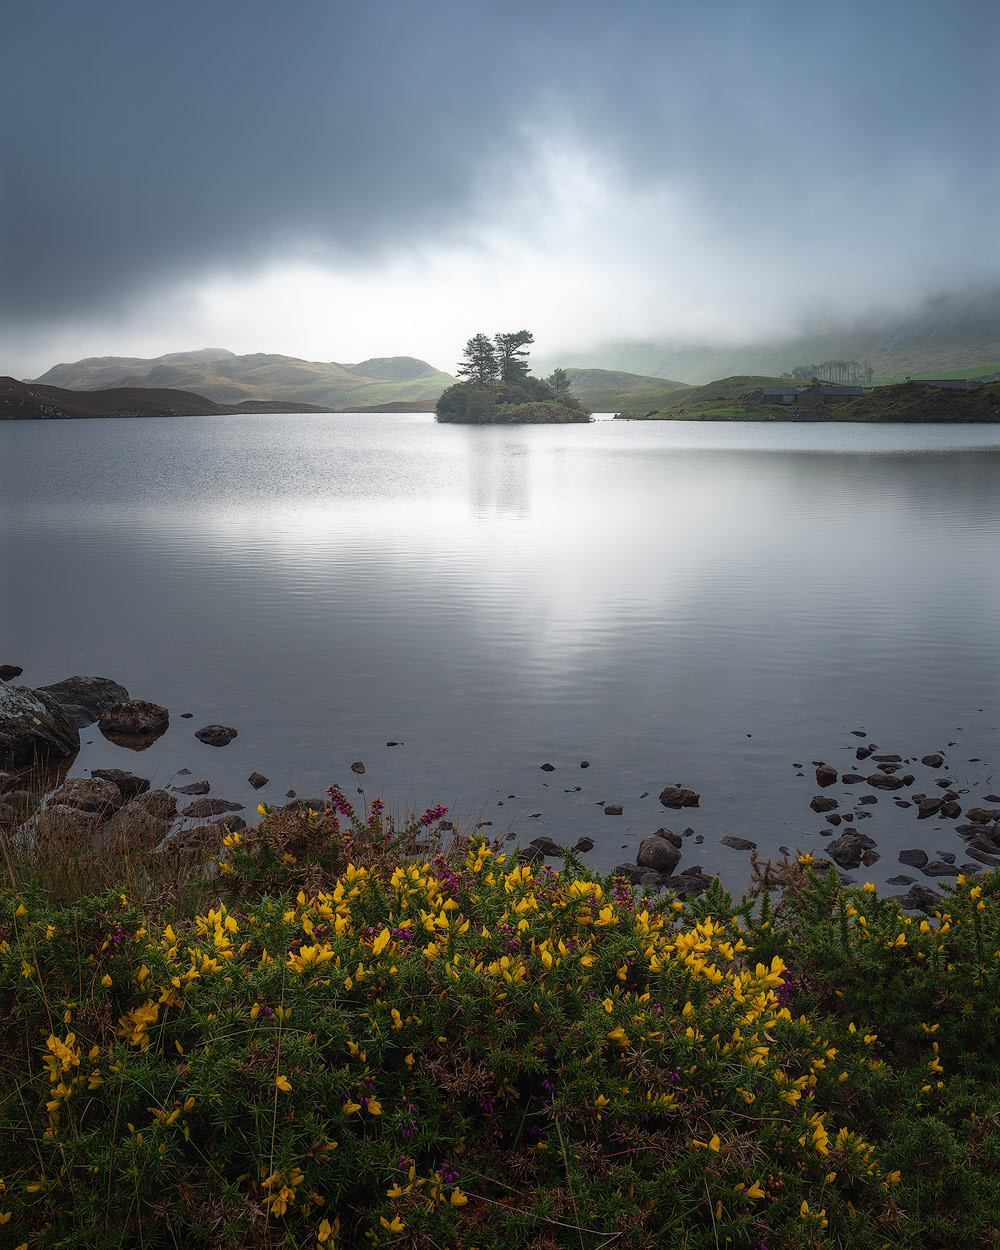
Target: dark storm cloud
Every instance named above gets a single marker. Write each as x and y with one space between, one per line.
148 142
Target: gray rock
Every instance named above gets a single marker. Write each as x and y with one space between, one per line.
678 796
548 768
901 879
546 846
846 850
230 822
913 858
613 809
826 775
673 838
657 853
257 780
885 781
834 818
692 881
530 855
34 726
133 718
932 761
300 807
867 799
938 868
928 807
196 787
157 803
128 783
201 808
823 803
9 671
216 735
584 844
920 898
92 695
851 779
739 844
89 794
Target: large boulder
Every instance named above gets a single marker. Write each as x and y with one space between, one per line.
33 726
89 794
133 717
658 854
678 796
88 697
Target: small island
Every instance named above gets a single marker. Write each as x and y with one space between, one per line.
499 389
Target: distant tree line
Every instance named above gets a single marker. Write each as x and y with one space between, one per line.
499 388
834 371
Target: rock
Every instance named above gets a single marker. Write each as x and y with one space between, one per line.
739 844
652 880
133 718
980 815
257 780
201 808
548 768
613 809
902 879
230 822
951 810
833 819
584 844
89 696
984 858
672 838
633 872
826 775
823 803
859 733
33 726
938 868
888 759
89 794
913 858
187 715
546 846
66 818
585 763
191 841
944 783
847 850
868 799
851 779
677 796
657 853
216 735
885 781
692 881
128 783
907 779
991 798
196 787
530 855
920 898
932 761
23 802
947 856
157 803
927 807
8 816
302 807
862 753
393 744
9 671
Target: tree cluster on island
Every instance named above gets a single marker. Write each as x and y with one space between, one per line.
499 390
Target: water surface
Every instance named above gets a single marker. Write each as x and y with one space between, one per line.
705 604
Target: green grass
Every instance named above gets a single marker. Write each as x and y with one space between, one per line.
355 1043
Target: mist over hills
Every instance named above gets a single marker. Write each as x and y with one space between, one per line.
948 332
223 376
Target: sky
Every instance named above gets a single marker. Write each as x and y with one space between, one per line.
337 180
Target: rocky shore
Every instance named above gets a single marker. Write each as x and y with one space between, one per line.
113 805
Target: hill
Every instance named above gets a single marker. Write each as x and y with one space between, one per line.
28 401
221 376
945 334
608 390
741 398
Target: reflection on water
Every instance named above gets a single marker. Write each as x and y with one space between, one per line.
676 603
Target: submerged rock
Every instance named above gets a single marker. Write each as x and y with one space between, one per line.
678 796
216 735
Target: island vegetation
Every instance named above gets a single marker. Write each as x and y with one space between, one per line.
499 390
334 1030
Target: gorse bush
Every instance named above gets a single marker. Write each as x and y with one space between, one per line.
451 1050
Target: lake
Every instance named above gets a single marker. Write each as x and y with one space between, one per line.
712 605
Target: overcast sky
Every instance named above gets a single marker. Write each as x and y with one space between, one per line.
385 177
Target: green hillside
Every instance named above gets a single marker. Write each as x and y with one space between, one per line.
229 379
607 390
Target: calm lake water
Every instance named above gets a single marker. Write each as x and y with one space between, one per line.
703 604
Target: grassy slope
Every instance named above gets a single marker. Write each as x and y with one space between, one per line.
607 390
26 401
230 379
